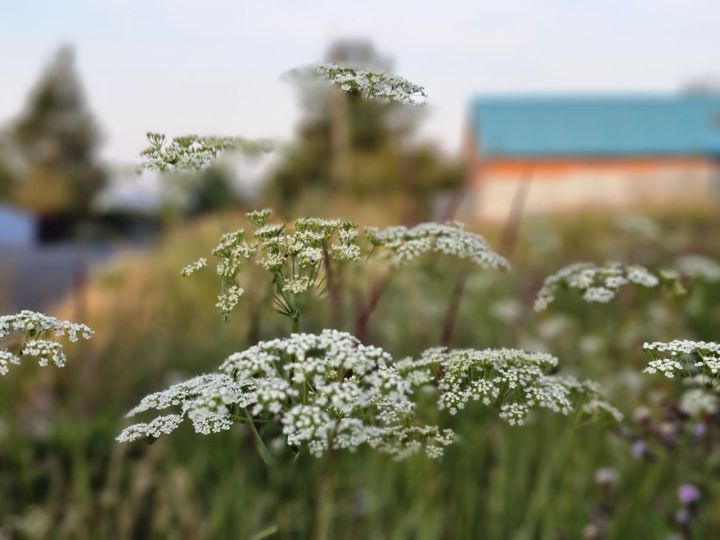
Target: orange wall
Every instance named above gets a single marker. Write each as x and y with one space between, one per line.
559 166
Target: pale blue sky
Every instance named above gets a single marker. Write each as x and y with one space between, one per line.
214 66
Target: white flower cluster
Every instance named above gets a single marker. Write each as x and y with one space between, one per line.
699 267
38 333
194 267
370 84
228 300
598 283
326 391
204 400
698 401
512 381
404 244
192 152
294 254
329 391
685 357
587 397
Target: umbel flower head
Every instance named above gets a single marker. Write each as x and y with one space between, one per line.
692 360
329 391
402 244
193 152
511 380
324 391
696 364
373 85
597 283
35 335
296 255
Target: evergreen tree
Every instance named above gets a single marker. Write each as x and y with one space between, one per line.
56 141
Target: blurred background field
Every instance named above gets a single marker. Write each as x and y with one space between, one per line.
552 167
64 475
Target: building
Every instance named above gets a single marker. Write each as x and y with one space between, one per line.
571 152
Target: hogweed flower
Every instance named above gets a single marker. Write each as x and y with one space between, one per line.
325 391
403 244
295 254
597 283
298 254
329 391
685 357
511 380
37 338
373 85
193 152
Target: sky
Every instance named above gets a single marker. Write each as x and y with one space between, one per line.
214 67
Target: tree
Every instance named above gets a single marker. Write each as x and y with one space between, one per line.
56 141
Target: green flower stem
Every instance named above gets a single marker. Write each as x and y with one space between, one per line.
324 502
262 449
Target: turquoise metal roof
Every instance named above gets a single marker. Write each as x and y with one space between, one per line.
596 126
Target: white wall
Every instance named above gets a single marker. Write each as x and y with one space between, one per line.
587 188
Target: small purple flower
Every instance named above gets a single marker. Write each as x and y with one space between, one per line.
700 430
639 449
688 494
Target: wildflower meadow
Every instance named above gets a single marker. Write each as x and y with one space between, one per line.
339 371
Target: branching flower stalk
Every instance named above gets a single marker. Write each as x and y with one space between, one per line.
297 257
306 255
331 392
328 392
29 334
